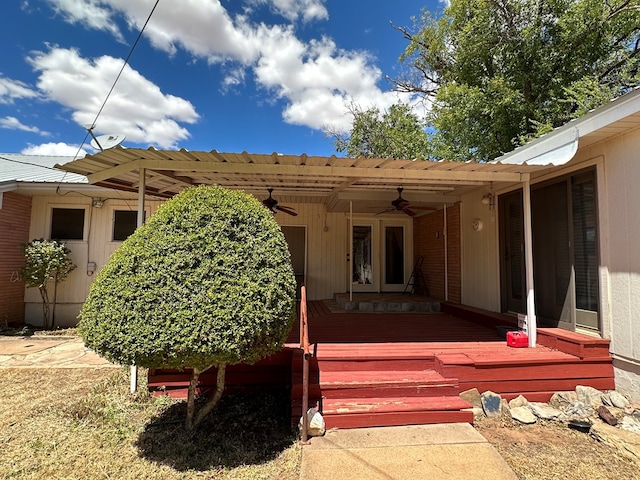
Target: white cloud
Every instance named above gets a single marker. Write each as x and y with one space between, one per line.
54 149
12 123
136 106
201 27
11 90
316 80
91 13
319 81
293 10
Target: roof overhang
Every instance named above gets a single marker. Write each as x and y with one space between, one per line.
331 180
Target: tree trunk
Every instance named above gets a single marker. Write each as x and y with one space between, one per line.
45 305
55 297
210 405
190 424
191 398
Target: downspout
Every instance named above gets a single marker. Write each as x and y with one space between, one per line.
531 323
446 255
141 190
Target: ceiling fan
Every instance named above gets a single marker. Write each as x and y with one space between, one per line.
402 205
272 204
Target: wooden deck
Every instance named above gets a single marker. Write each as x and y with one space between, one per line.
374 368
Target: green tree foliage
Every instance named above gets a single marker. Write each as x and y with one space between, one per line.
46 261
500 72
206 282
396 133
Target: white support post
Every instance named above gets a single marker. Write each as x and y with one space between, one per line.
445 234
141 191
350 266
531 324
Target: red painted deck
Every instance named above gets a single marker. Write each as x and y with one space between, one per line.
372 369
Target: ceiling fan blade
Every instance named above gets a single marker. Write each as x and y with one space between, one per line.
409 212
416 207
287 210
388 210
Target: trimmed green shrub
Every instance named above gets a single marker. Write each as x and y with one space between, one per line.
46 261
207 281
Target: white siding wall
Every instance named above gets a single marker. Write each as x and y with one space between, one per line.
96 247
480 263
620 251
326 250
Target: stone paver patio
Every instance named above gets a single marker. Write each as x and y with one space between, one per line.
37 352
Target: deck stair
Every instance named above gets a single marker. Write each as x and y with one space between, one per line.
365 385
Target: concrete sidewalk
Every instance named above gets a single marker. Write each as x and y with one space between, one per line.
444 451
48 352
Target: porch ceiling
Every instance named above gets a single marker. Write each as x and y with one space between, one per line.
370 183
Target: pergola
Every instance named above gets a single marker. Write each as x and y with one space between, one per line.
363 185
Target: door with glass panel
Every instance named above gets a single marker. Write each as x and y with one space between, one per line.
364 259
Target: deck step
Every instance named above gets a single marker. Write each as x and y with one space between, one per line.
369 357
356 413
363 384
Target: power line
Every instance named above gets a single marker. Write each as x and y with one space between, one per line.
113 86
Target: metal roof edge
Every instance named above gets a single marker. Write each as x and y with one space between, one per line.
615 110
8 186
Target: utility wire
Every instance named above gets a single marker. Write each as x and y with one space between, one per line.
113 86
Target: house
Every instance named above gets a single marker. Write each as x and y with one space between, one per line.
40 201
550 231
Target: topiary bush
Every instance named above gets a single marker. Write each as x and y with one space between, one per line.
206 282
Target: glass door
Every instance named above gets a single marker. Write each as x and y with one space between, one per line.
364 268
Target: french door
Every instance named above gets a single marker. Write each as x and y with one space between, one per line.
380 255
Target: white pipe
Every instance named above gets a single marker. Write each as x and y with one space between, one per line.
133 386
350 266
446 255
531 324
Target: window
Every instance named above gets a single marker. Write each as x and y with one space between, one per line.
125 223
67 224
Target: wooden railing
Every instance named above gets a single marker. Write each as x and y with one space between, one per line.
304 345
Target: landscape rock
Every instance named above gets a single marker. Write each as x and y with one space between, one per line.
576 411
624 442
630 424
544 411
523 414
519 401
561 400
504 407
607 416
491 404
472 396
589 395
477 412
616 399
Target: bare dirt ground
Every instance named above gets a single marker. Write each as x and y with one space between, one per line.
551 450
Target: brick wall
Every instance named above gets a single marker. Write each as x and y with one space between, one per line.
428 234
15 216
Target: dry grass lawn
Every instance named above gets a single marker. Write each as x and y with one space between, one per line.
550 451
78 424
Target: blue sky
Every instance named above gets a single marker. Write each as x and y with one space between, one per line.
235 75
